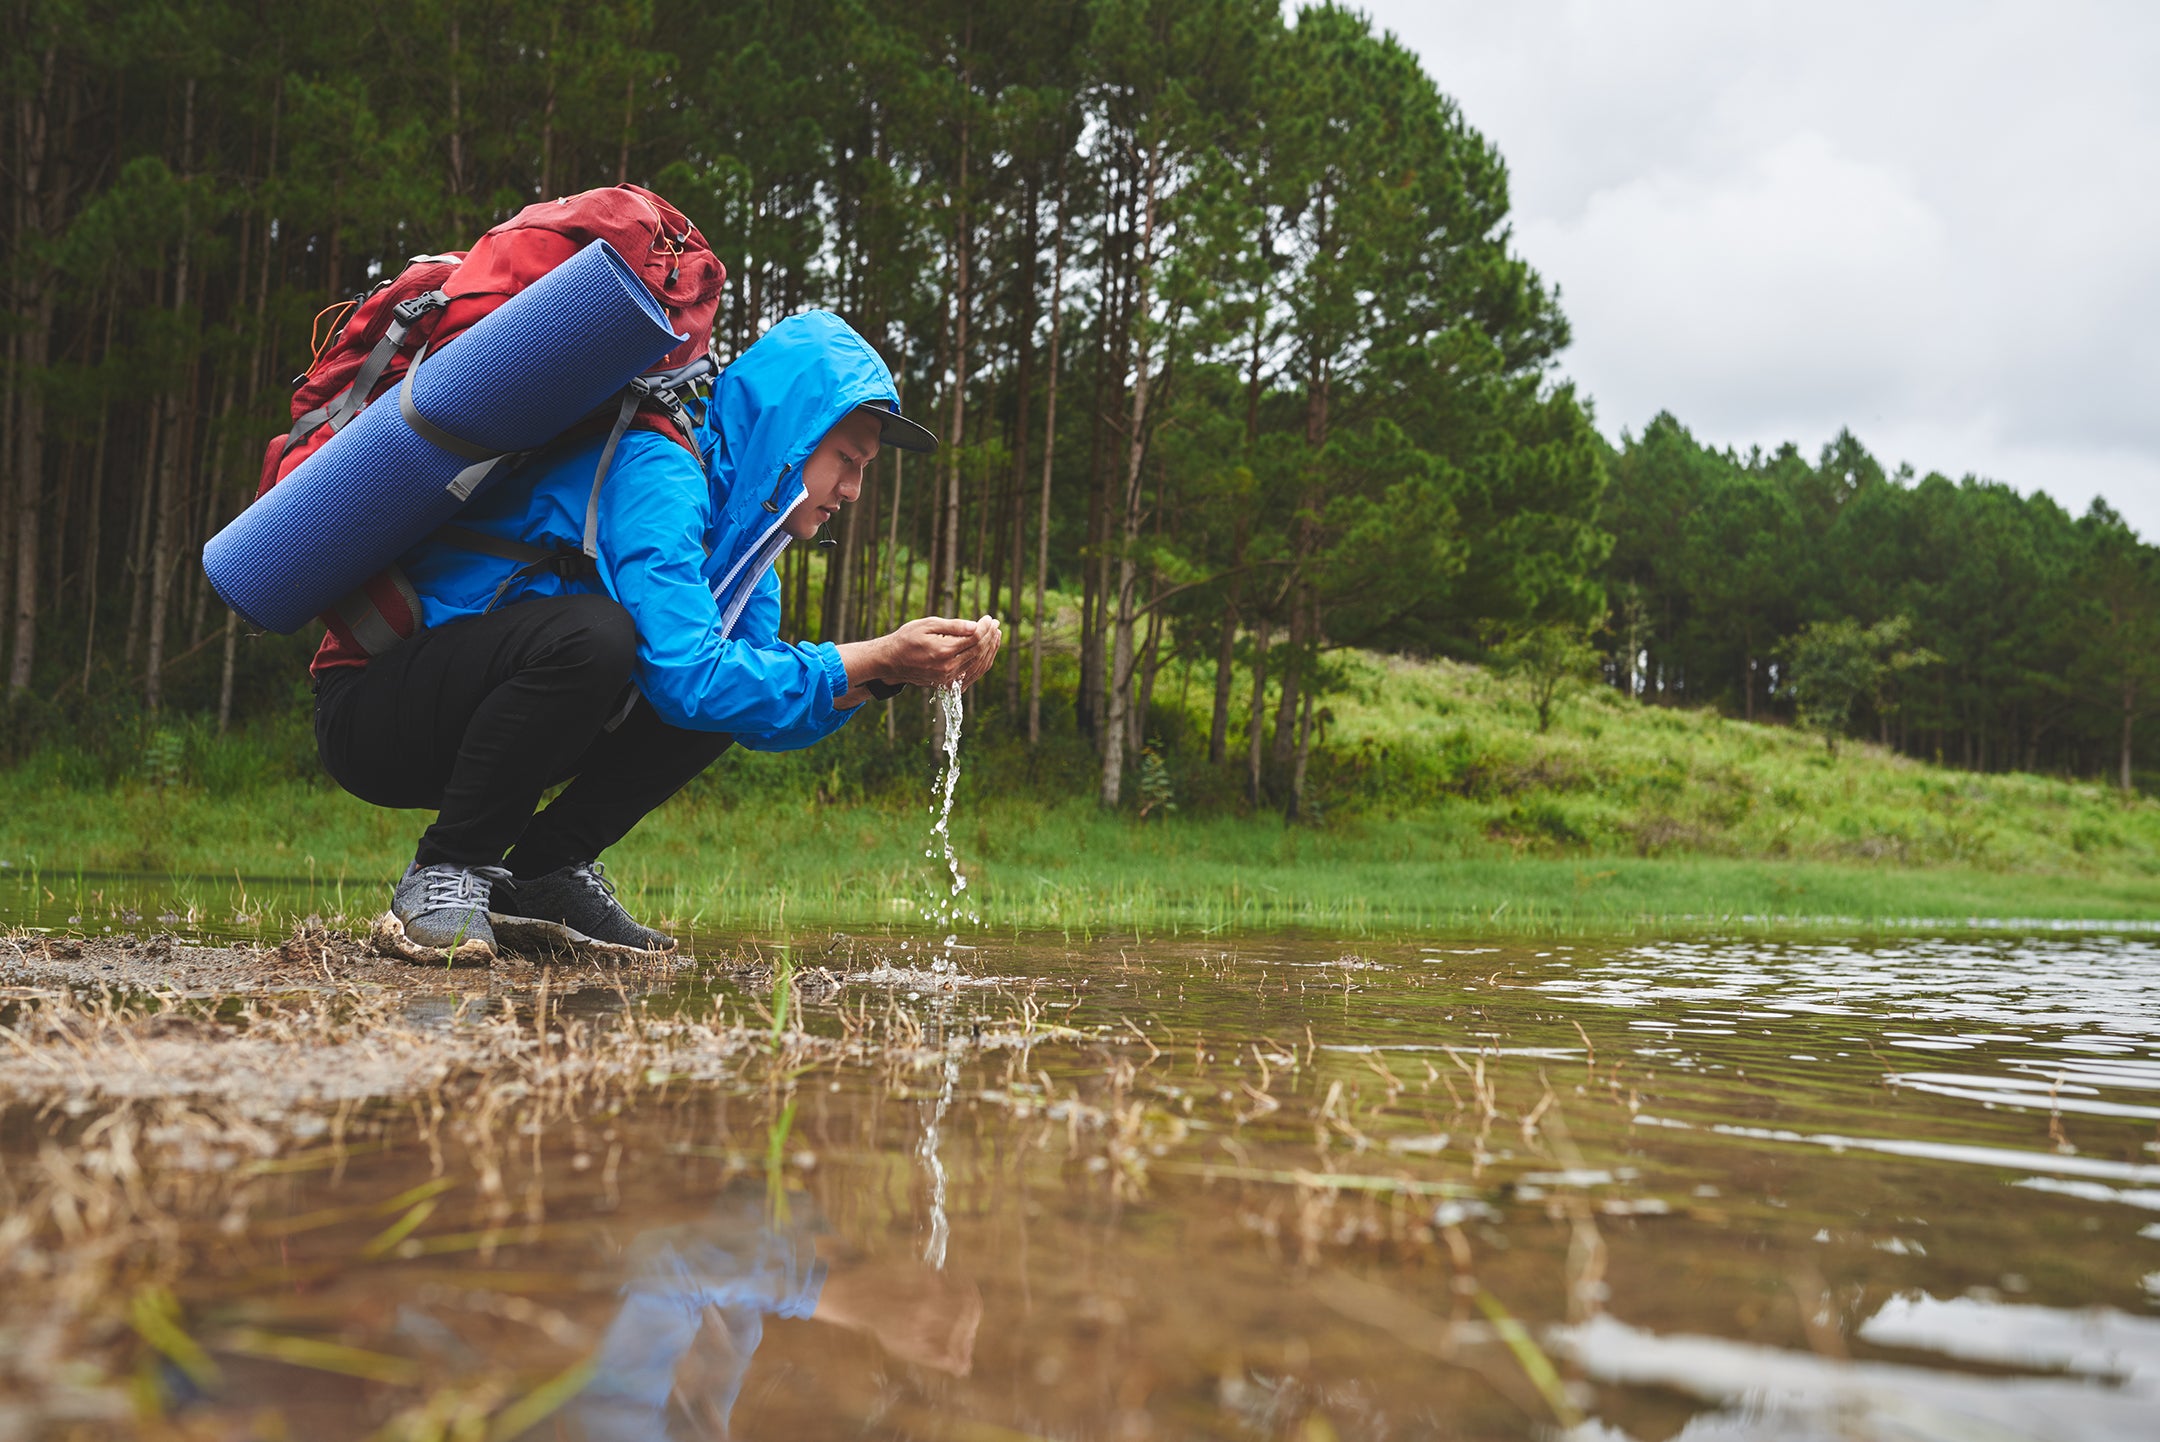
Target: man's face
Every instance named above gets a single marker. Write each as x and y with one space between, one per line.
833 475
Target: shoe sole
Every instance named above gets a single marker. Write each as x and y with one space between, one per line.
389 939
530 934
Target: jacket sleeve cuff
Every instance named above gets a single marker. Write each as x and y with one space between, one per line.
835 674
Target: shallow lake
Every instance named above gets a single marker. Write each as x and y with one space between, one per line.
1275 1187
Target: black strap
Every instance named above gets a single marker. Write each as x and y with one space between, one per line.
501 547
532 560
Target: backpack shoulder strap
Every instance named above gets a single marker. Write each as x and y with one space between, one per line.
349 402
663 393
623 413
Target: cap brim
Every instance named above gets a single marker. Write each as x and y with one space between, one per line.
897 430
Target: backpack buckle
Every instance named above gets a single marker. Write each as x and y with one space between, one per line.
409 310
570 564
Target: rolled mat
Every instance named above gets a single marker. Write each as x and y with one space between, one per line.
523 374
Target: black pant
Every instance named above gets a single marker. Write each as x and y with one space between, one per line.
477 719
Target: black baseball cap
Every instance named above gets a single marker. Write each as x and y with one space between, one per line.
899 431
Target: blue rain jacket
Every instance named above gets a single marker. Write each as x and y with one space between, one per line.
689 550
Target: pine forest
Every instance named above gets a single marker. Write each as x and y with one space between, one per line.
1217 309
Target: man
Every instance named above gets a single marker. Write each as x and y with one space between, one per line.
628 677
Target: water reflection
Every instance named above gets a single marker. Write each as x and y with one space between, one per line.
1289 1189
2101 1379
672 1361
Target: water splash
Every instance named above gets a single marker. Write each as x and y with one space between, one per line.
949 908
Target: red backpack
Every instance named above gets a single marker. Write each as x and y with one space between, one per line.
435 299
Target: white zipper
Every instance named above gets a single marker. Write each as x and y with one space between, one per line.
766 553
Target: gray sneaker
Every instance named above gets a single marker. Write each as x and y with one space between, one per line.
574 907
440 914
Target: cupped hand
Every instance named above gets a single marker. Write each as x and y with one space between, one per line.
989 636
931 651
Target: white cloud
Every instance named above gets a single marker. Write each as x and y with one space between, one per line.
1936 221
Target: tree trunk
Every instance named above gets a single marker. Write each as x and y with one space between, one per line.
1042 517
983 556
1128 563
1128 572
1296 809
1256 720
31 358
893 563
164 521
948 596
166 541
801 605
1293 679
1218 742
30 485
899 572
868 580
94 525
198 582
835 628
2129 717
12 375
226 667
1150 664
457 131
547 113
1023 411
1090 706
139 534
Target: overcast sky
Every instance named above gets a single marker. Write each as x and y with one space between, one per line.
1935 221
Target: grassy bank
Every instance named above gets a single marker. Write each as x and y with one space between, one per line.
1440 806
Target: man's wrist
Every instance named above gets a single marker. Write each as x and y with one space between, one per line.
861 660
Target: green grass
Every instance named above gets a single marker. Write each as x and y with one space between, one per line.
1440 806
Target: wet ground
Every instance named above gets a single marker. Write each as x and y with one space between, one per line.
1286 1188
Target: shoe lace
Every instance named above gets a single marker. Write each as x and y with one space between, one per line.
449 886
594 876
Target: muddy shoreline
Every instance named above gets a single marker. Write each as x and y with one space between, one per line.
312 959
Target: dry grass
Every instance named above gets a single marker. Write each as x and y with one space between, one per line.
160 1152
138 1132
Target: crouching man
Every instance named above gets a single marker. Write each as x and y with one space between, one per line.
628 675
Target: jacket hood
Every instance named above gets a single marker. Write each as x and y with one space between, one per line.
768 411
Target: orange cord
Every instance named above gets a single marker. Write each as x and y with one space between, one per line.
318 340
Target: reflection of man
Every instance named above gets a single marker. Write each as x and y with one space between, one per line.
698 1294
